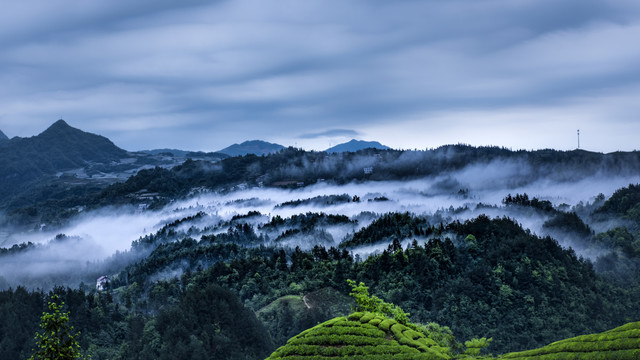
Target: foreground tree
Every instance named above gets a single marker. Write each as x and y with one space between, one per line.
57 340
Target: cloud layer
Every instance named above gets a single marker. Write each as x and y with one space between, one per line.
412 74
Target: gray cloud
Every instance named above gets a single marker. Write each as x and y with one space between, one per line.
237 70
330 133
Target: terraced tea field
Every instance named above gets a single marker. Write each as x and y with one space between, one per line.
362 335
621 343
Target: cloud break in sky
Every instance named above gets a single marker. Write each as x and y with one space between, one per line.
201 75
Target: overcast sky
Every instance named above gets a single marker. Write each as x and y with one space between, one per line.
201 75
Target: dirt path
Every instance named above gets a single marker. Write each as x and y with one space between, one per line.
304 299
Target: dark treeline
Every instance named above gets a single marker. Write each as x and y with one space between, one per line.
292 167
53 201
322 200
194 322
388 227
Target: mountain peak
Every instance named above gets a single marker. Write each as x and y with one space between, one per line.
58 129
3 137
355 145
59 125
257 147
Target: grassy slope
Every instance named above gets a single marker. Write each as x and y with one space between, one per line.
360 336
620 343
305 311
374 337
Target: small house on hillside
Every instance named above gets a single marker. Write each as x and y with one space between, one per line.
102 283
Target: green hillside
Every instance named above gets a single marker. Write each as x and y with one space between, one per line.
620 343
371 333
291 314
365 335
362 335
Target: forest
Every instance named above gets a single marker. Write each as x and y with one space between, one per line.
231 295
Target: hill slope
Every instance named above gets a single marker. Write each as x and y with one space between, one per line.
356 145
256 147
620 343
306 311
362 335
3 137
371 336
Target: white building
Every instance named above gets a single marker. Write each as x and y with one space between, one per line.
102 283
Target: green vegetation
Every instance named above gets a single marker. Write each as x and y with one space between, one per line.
523 200
569 222
386 228
502 282
372 303
57 340
624 202
369 333
621 343
310 226
173 320
205 288
362 335
285 316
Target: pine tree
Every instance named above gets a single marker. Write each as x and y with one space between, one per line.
57 340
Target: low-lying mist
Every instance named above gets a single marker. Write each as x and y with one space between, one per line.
92 238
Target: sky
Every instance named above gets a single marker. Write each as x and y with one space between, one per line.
202 75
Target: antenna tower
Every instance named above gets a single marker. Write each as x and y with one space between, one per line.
578 139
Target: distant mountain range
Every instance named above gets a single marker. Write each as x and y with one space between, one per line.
257 147
3 137
356 145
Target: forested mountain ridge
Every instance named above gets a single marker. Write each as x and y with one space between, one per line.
25 162
59 169
294 167
58 148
